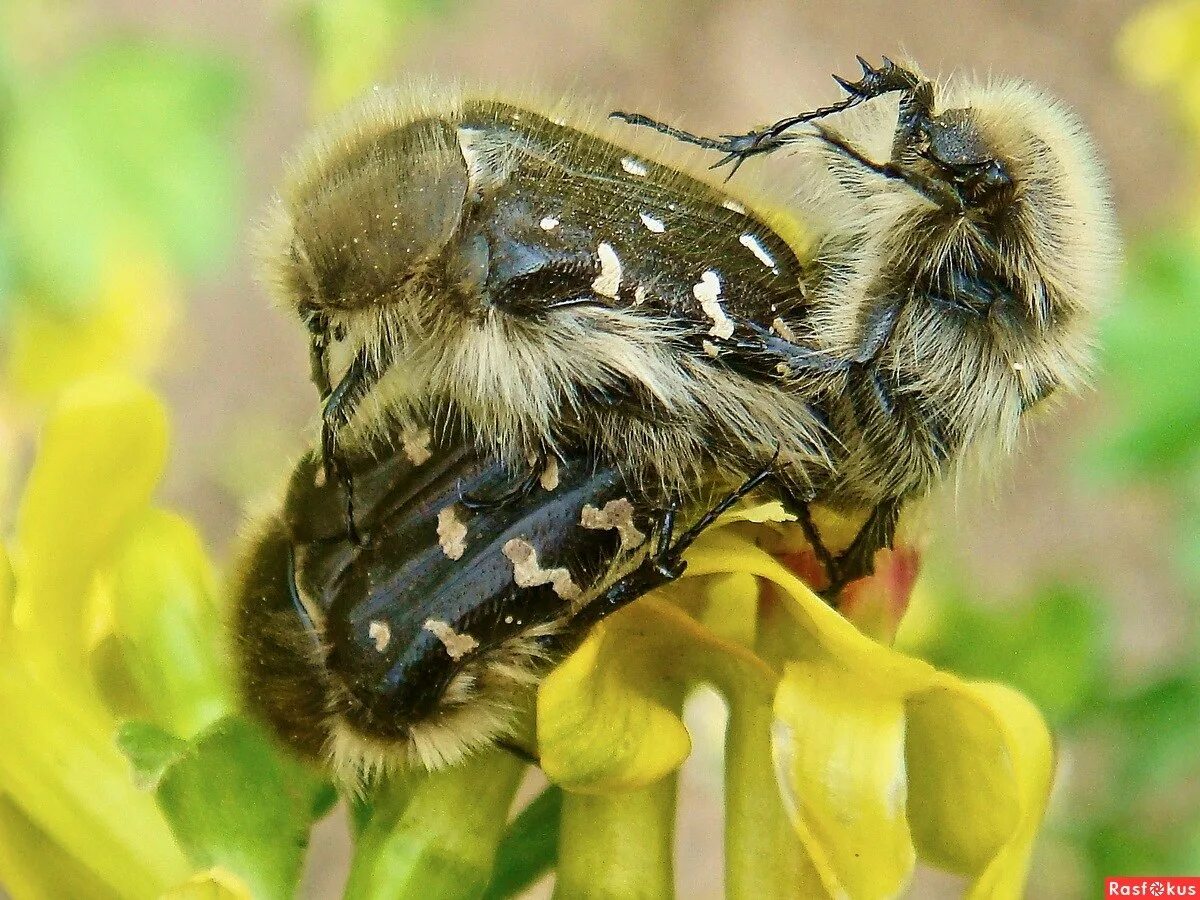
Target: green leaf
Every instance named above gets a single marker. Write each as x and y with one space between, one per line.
1129 847
150 750
1150 340
128 148
530 847
235 801
1054 649
1160 734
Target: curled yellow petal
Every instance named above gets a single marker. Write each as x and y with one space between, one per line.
101 454
608 717
818 624
980 762
603 723
839 750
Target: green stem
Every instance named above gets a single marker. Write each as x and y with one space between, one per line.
618 846
530 846
435 835
763 860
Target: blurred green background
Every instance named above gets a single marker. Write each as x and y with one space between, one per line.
139 140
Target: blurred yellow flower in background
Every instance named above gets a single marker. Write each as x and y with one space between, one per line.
1159 48
125 329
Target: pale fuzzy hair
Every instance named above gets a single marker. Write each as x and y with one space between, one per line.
514 383
480 706
1069 251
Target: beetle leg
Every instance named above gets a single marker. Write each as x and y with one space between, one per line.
362 374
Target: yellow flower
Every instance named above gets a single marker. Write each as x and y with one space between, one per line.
65 791
107 612
1159 49
846 761
123 331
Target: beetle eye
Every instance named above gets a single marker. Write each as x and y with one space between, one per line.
988 177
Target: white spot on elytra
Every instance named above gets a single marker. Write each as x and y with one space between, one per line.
415 443
608 282
754 245
457 645
527 572
782 329
652 224
634 167
734 206
508 620
381 634
452 532
549 477
708 291
549 223
616 514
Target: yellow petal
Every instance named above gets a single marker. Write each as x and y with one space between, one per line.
32 864
608 717
100 456
7 589
603 724
213 884
167 623
60 765
730 607
123 330
763 512
1161 42
980 762
817 623
839 751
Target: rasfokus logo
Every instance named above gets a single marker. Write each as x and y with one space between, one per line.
1147 886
